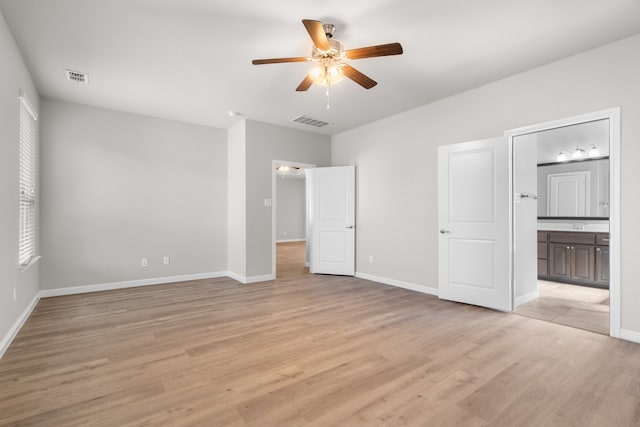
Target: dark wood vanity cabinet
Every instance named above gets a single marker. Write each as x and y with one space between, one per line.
574 257
602 259
543 250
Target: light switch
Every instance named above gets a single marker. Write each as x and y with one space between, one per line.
267 202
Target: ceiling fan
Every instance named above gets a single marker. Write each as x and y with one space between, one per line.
332 60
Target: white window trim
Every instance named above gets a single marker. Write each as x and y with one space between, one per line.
28 188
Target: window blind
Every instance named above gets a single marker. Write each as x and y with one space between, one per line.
27 182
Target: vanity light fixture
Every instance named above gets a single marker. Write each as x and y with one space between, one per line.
578 153
594 151
562 156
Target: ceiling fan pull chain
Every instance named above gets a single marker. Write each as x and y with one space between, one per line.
327 95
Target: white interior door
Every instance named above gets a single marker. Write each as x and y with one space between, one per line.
473 213
568 195
332 220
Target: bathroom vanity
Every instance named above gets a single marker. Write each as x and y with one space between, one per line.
577 257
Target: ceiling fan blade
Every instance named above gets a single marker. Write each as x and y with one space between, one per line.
316 31
358 77
279 60
372 51
305 84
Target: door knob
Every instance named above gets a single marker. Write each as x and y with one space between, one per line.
443 231
349 226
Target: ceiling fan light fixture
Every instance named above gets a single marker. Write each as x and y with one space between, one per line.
326 75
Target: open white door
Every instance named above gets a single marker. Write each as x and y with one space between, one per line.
473 214
331 199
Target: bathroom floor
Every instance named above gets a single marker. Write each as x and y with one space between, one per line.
570 305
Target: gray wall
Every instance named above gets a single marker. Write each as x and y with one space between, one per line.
117 187
14 76
266 143
290 208
400 152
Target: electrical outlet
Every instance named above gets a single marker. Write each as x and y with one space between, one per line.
284 233
15 294
144 262
166 260
371 259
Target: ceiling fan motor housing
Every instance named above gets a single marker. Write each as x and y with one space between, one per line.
335 51
329 29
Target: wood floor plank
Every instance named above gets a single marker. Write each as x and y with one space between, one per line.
306 350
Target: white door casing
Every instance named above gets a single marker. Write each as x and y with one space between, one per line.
613 200
473 213
332 220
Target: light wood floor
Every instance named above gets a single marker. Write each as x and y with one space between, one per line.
307 350
570 305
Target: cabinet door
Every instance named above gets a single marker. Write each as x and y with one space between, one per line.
583 262
602 265
543 267
559 266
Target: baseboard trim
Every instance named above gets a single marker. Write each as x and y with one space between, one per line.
8 338
46 293
237 277
628 335
526 298
398 283
291 240
263 278
251 279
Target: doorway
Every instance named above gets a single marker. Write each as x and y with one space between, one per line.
565 221
289 218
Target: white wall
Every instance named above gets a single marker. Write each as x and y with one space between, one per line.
397 158
117 187
237 204
265 143
525 181
290 208
15 76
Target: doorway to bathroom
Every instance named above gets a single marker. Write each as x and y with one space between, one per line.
564 220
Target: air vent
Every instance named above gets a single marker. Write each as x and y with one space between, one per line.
306 120
77 76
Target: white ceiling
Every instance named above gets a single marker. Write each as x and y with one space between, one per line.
190 60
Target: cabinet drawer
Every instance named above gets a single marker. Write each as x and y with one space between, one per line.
602 239
543 236
568 237
542 250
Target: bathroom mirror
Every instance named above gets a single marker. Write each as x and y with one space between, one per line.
573 171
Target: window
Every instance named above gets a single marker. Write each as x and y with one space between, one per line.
27 181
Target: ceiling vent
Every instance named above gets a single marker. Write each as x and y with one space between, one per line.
77 76
306 120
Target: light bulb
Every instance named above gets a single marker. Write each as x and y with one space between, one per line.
562 157
333 72
578 153
317 75
594 151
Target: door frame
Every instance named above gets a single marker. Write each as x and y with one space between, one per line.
274 177
613 115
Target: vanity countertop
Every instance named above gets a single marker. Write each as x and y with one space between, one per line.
585 228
